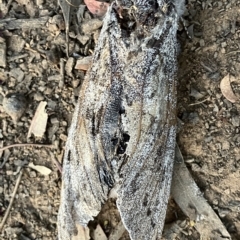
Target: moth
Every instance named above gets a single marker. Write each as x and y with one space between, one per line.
122 136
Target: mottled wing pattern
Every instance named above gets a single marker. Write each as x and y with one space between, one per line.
123 129
85 167
144 193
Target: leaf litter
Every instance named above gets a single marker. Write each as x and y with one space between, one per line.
41 169
226 88
39 121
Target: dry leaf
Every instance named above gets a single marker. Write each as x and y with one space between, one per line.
39 121
83 233
84 63
226 89
97 8
98 234
41 169
190 199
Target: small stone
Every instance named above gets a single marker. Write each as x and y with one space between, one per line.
54 54
63 137
75 83
16 43
45 64
59 22
193 117
83 63
223 45
225 145
54 120
17 73
38 97
89 26
223 50
64 123
9 172
69 66
40 2
235 121
223 212
215 202
51 104
1 190
196 94
202 43
83 39
33 174
48 91
14 104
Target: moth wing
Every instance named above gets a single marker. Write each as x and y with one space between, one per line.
86 175
144 195
151 124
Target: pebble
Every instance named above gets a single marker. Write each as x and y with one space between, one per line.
223 212
9 172
91 25
38 97
63 137
54 120
75 83
14 104
202 43
83 39
235 121
17 73
193 117
196 94
16 43
54 54
69 66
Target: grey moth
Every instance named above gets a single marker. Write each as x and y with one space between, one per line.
122 136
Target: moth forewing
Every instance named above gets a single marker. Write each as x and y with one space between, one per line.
123 130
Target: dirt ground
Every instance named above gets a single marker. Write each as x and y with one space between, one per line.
209 135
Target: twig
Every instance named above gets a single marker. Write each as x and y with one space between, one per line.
24 23
192 104
235 51
56 162
62 67
35 51
1 145
27 145
12 199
